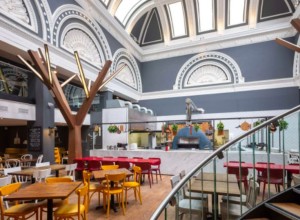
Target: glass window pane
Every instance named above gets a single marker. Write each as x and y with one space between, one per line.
236 12
126 8
205 13
176 14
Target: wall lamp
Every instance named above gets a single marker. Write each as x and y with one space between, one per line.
52 130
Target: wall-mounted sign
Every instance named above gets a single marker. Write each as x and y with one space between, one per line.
35 139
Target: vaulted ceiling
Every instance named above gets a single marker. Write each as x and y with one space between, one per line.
156 29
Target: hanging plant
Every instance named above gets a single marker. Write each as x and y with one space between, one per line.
174 128
256 123
220 128
282 124
113 129
196 127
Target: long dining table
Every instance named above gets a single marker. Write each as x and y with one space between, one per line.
215 184
119 159
28 171
289 168
43 190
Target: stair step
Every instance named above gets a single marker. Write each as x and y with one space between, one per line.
296 190
288 209
256 219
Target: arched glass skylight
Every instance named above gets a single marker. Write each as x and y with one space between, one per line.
236 12
205 15
126 8
177 19
105 2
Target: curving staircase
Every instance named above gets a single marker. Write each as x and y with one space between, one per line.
232 195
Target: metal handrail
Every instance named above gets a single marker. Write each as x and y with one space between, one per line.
216 153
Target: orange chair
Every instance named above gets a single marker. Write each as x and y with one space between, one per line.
241 174
111 190
18 211
92 187
156 167
78 209
135 184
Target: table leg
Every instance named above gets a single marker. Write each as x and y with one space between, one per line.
50 209
57 173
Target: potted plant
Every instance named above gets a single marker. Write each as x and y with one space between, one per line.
174 128
282 124
196 127
113 129
220 128
256 123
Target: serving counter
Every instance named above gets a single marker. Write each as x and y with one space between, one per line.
173 161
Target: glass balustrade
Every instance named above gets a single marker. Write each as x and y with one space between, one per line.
240 175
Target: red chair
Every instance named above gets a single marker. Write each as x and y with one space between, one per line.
241 174
80 166
93 165
269 176
146 170
107 162
156 167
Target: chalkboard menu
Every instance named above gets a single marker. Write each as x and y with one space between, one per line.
35 139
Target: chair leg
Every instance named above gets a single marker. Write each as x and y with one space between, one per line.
263 196
159 174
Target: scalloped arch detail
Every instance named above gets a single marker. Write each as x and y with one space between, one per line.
130 75
208 69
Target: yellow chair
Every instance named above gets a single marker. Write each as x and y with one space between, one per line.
92 187
18 211
56 202
78 209
109 167
114 190
135 184
57 157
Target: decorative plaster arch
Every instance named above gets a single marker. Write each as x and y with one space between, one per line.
122 56
21 12
66 12
78 37
208 69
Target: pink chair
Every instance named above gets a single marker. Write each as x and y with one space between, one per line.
241 175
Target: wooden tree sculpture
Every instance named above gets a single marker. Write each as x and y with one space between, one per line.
296 24
44 72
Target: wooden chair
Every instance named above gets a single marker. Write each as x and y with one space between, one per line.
25 157
233 211
155 168
70 169
135 184
193 195
111 189
56 202
18 211
146 170
188 206
240 172
41 175
78 209
92 187
109 167
9 163
40 158
15 178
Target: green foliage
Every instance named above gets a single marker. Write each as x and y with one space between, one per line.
174 127
256 123
196 127
220 126
282 124
113 128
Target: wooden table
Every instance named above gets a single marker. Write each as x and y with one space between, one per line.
29 171
47 191
100 175
216 188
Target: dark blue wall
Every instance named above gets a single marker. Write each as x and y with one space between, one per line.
54 4
260 61
273 99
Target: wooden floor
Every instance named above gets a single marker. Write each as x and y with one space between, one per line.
151 198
